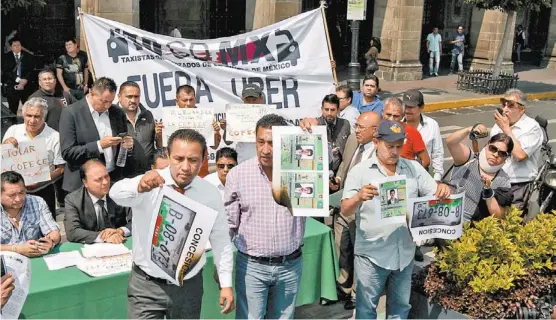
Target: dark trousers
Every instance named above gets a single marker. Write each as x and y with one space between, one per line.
344 238
521 192
152 298
60 192
49 196
15 96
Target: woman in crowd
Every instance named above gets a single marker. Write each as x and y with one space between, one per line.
486 186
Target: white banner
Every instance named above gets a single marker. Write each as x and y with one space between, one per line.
431 218
289 60
30 159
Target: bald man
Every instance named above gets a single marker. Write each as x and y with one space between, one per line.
414 147
359 147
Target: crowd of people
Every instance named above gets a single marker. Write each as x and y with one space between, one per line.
108 164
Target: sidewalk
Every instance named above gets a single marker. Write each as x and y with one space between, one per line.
441 93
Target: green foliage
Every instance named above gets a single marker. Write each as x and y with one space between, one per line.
510 5
8 5
492 254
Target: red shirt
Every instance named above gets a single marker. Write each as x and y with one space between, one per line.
413 144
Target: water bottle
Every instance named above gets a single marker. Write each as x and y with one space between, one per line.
122 156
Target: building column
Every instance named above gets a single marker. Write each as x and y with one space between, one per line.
124 11
550 60
399 23
261 13
487 31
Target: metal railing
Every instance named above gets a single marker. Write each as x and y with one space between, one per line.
482 81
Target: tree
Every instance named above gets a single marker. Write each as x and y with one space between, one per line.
510 7
8 5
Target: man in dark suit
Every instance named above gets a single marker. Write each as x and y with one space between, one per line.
338 129
90 215
17 67
92 128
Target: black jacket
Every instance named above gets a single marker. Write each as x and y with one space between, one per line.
57 101
9 67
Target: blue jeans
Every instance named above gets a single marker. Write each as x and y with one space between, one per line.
266 291
371 282
457 58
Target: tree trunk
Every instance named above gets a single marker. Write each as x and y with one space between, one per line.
505 39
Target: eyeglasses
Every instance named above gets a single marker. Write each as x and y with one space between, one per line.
510 104
357 126
222 166
500 153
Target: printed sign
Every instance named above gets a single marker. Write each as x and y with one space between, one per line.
431 218
392 200
199 119
241 120
30 159
357 9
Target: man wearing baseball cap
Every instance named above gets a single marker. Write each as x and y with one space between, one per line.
414 104
251 94
384 252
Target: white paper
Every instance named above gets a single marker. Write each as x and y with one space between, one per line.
241 120
391 203
431 218
356 9
300 170
105 266
62 260
199 119
179 230
19 267
99 250
30 159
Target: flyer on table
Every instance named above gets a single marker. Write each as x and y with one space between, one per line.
431 218
179 230
300 170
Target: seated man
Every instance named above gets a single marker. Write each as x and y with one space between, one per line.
27 225
226 159
90 215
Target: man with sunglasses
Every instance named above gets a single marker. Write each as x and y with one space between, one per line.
226 159
527 136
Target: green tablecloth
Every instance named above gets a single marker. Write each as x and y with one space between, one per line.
70 293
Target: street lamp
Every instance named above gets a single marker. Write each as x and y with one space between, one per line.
354 66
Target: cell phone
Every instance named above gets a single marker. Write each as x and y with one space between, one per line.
500 111
122 135
41 240
3 266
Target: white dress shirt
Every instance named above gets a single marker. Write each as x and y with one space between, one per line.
369 148
51 138
98 212
215 181
350 113
529 134
430 131
124 193
102 123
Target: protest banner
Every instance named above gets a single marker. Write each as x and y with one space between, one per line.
29 158
431 218
179 235
199 119
301 170
241 120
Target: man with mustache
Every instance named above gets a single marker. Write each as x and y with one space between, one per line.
338 130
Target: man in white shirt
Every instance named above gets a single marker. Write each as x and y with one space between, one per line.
226 159
347 111
150 295
428 128
35 128
527 135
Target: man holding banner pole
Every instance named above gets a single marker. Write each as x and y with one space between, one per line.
34 128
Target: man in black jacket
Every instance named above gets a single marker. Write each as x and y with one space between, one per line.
90 215
17 67
57 100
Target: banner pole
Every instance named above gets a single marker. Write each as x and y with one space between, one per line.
91 67
328 43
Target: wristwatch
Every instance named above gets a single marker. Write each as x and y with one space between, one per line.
487 193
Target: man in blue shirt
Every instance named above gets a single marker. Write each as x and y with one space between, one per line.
457 51
434 46
366 100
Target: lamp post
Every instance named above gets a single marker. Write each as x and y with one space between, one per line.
354 66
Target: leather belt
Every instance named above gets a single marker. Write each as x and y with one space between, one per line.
274 260
142 273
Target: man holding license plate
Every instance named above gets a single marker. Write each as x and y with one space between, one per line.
385 252
150 294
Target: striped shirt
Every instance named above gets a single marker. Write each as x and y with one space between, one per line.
35 221
258 225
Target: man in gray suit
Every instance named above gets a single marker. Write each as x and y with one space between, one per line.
338 129
90 215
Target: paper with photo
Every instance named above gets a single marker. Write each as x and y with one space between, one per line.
199 119
391 202
179 235
431 218
302 169
241 120
19 267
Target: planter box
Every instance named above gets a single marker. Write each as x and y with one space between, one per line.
421 308
484 82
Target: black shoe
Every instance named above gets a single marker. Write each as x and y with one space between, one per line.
419 255
349 305
326 302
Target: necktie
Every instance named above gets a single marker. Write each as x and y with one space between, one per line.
357 157
103 220
178 189
330 129
18 63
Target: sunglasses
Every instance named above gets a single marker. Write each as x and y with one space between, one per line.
509 103
222 166
501 154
